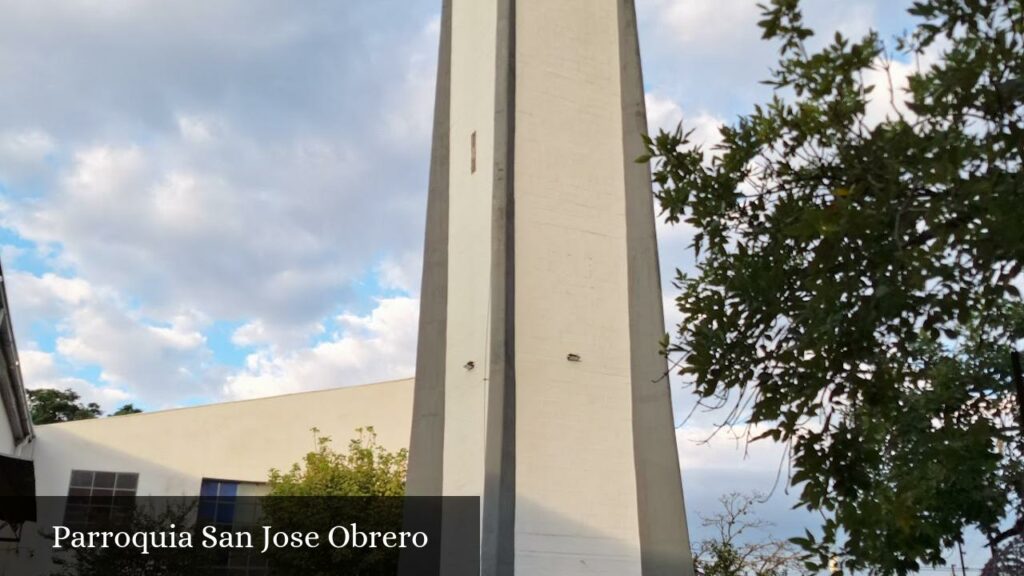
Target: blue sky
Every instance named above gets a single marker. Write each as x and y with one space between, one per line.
207 200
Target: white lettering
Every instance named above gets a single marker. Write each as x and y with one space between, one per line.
58 535
352 536
343 543
141 541
209 537
289 539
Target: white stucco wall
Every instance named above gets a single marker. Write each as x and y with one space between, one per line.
576 494
172 451
474 35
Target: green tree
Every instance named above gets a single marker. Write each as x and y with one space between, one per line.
362 485
366 469
127 409
1007 560
856 294
742 544
49 406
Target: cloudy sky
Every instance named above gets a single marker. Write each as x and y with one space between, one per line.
208 200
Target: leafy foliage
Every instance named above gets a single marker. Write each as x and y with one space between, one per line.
127 409
1008 560
367 469
361 486
743 547
50 406
856 295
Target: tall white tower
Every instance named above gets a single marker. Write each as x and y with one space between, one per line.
539 383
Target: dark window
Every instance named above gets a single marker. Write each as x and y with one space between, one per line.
217 499
221 506
97 499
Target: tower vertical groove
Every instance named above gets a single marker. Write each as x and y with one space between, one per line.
498 519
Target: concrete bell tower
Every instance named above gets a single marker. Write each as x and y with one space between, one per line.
539 383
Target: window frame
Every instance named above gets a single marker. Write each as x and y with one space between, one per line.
99 497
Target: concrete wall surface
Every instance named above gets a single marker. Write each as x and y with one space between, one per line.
172 451
469 247
576 493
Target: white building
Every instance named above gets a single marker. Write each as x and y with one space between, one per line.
170 453
226 449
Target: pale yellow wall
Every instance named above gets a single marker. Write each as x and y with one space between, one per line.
172 451
576 496
469 257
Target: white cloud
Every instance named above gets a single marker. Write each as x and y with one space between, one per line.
888 99
706 23
161 363
46 298
195 130
714 464
410 111
730 26
401 274
23 153
259 333
253 172
891 81
158 362
372 348
703 446
27 146
663 113
179 237
103 172
238 161
708 55
33 291
9 254
39 370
